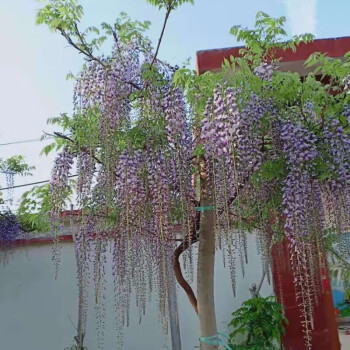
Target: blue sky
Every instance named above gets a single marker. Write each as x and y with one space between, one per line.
34 62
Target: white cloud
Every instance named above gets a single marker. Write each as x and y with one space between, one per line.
301 16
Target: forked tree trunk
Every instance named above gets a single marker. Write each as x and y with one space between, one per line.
205 272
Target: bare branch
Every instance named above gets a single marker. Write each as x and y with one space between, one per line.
133 84
85 52
82 40
169 9
82 148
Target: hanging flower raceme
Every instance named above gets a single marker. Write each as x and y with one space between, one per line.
216 137
10 229
219 128
107 85
346 83
10 182
336 189
309 110
177 127
89 86
232 143
59 187
347 113
159 192
300 152
249 137
338 146
131 190
179 134
86 167
265 71
59 180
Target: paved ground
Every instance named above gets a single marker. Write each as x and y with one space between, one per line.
344 340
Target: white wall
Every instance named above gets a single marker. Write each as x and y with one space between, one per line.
35 308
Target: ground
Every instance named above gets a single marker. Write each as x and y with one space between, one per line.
344 340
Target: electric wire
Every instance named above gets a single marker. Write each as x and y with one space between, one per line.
25 141
30 184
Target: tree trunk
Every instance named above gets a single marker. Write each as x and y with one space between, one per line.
206 261
173 312
79 337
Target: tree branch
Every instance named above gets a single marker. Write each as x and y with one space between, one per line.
82 148
338 256
169 9
85 52
133 85
185 244
178 272
115 37
82 40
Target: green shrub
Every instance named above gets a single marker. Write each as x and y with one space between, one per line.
261 321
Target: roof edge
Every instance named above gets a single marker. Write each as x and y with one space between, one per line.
212 59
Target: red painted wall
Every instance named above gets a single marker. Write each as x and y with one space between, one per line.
211 60
325 334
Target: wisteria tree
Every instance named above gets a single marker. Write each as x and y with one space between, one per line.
166 159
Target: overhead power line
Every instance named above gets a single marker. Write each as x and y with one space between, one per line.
29 184
24 141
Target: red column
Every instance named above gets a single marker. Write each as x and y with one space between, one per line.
325 335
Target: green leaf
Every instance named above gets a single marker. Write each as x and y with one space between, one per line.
48 148
235 30
16 165
199 150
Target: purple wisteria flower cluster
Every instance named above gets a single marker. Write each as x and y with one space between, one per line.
58 192
346 83
265 71
314 206
86 167
309 110
218 127
336 190
10 229
107 85
59 180
347 113
231 140
232 143
300 151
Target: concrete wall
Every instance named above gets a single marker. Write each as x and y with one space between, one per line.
35 309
